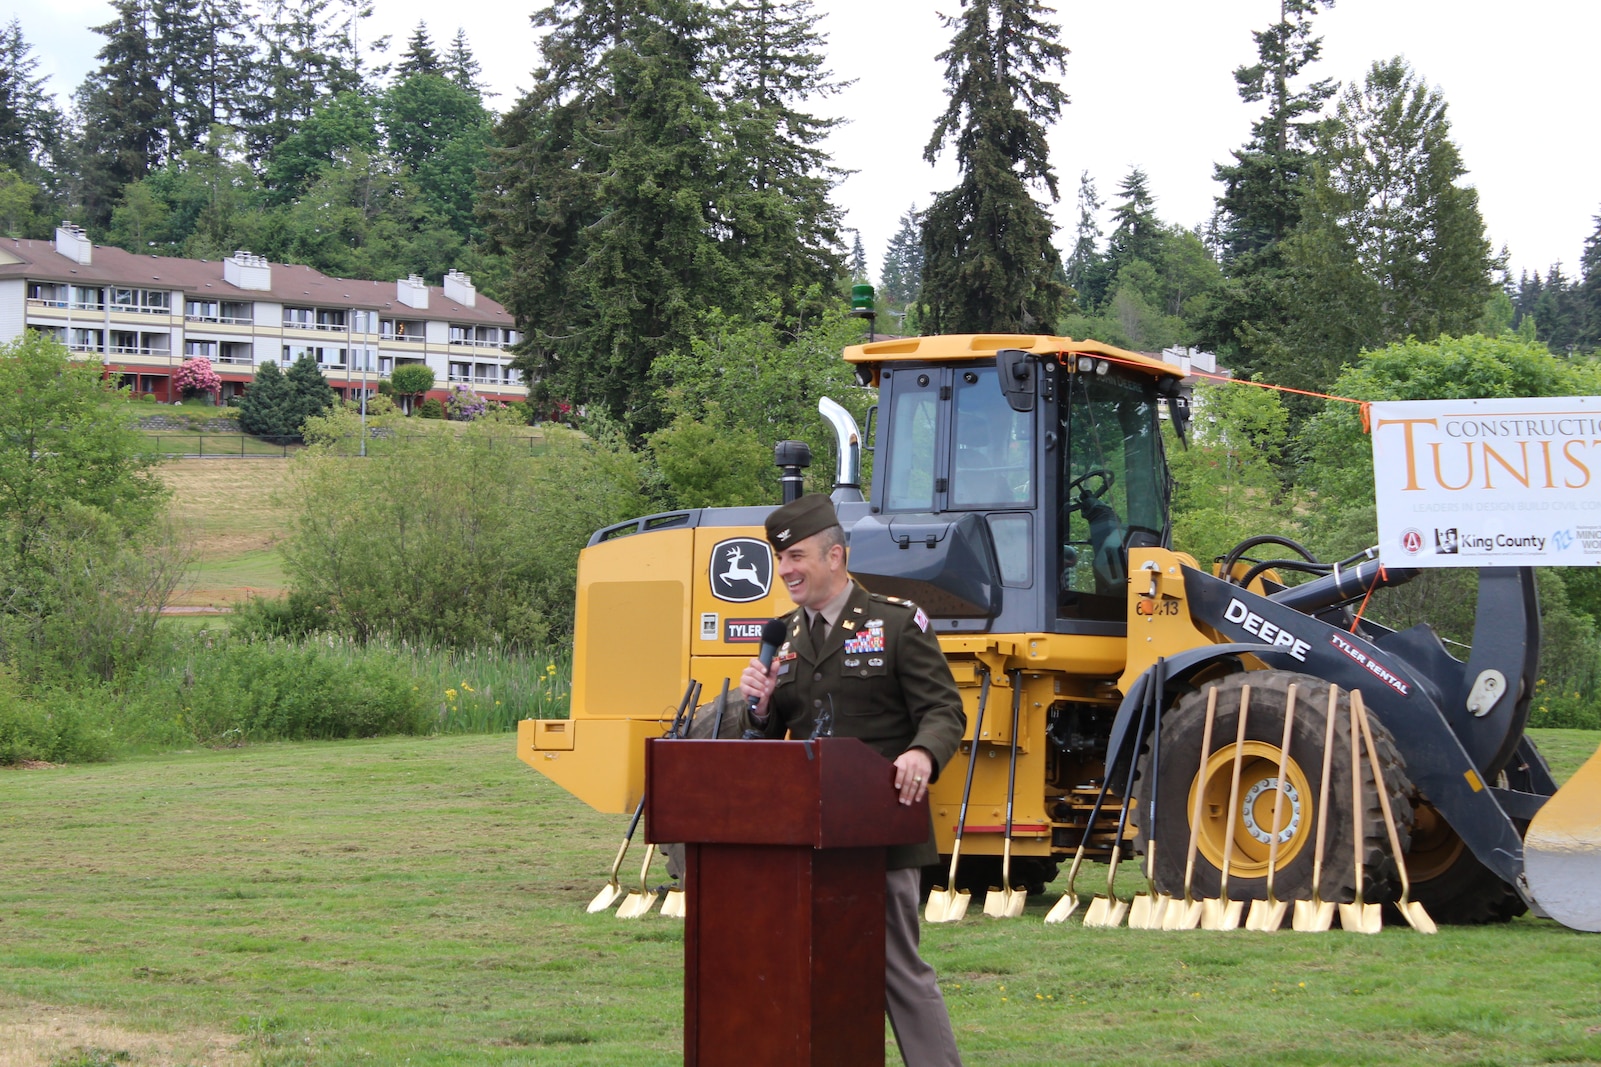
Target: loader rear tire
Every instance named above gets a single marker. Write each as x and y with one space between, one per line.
1183 770
1450 882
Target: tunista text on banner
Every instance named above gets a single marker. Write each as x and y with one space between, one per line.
1486 483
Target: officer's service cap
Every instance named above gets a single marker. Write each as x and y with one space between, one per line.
800 519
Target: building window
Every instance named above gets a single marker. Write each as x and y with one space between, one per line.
200 310
301 317
237 311
293 352
204 349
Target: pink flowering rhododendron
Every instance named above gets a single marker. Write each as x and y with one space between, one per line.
196 376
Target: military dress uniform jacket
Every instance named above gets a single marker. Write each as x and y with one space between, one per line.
882 668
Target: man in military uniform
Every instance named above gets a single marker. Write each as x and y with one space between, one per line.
872 663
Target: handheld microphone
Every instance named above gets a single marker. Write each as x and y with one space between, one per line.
772 637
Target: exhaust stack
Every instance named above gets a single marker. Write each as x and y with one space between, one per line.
848 442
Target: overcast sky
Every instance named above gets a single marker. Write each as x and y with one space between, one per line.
1151 86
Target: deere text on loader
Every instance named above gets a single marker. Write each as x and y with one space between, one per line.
1019 495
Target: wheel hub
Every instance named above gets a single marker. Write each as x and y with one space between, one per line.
1254 826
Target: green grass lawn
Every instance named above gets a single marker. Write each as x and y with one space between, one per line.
422 901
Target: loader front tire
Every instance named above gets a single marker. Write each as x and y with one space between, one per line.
1184 770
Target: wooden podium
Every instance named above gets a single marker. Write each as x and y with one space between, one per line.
784 881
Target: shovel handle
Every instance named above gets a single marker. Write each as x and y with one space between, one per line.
1278 794
972 762
1200 791
1384 794
1159 683
1234 792
1323 794
1356 802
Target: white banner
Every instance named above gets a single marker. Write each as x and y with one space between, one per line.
1488 483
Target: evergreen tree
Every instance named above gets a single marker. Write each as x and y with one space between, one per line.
989 262
30 125
1086 268
1136 234
1389 245
461 67
902 274
858 258
122 111
775 189
308 392
1263 187
1261 197
606 198
660 167
308 53
1589 295
420 57
203 62
439 134
264 409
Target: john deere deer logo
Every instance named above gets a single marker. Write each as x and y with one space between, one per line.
741 569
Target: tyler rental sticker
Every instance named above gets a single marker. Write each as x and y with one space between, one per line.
1378 670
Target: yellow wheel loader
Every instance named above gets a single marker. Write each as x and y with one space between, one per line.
1019 495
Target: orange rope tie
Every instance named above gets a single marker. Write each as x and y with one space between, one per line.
1377 578
1284 389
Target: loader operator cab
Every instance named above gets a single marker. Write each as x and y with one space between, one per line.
1037 469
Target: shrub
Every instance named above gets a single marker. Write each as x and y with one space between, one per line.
431 409
56 731
294 616
196 376
236 691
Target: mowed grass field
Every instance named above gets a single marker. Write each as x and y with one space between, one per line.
421 901
226 516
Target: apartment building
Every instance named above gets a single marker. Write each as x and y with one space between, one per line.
142 316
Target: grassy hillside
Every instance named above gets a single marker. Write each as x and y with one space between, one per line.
422 901
226 513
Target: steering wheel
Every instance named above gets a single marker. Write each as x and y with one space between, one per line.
1079 487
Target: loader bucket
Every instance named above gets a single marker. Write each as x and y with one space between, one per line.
1562 851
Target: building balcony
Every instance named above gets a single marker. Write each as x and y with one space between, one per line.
221 320
469 342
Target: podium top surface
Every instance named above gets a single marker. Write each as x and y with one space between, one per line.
834 792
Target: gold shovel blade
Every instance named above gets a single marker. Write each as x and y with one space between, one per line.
1313 916
1106 912
995 902
1013 902
1145 912
1412 911
638 903
673 904
1360 918
1062 909
946 905
1220 914
605 898
1182 914
1266 916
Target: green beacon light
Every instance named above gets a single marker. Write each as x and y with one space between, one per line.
861 300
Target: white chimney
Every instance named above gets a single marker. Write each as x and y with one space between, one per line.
459 287
73 243
412 292
245 271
